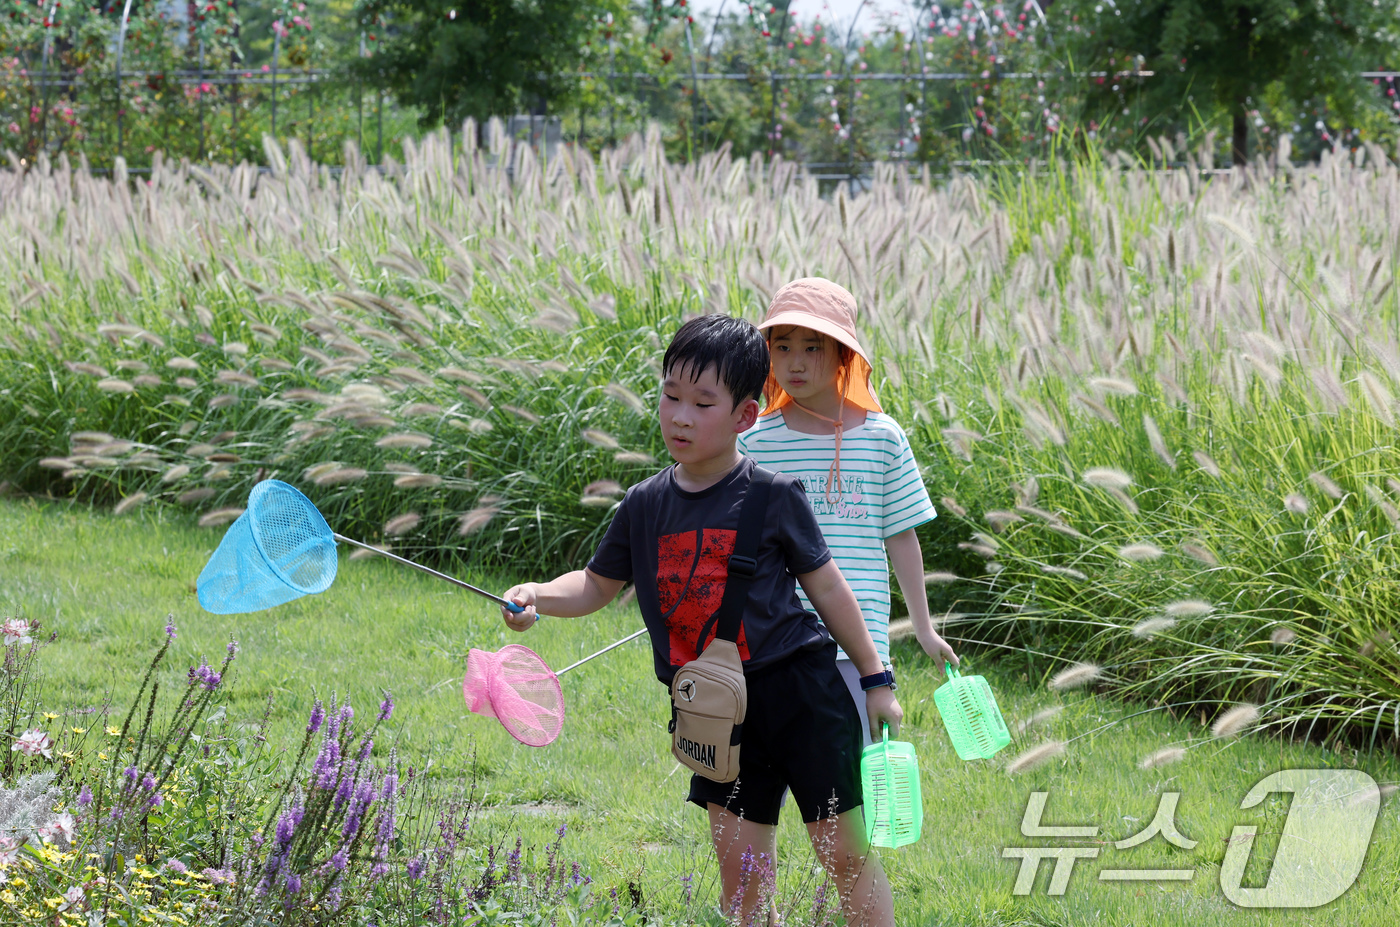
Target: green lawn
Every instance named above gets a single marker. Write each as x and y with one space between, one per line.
106 584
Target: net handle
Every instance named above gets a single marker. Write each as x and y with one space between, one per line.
631 637
508 605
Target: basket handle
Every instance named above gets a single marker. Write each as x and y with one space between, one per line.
951 670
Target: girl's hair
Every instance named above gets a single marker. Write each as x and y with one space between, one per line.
771 389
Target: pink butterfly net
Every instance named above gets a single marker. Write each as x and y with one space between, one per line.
517 688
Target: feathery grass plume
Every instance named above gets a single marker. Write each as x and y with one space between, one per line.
625 396
983 538
1142 552
1200 553
315 471
114 385
1001 519
56 463
597 502
981 550
1235 720
599 438
1379 398
129 503
1394 484
1039 718
405 439
415 409
418 481
91 370
1163 757
1157 443
1068 572
1123 499
90 437
219 517
1206 463
1295 504
1072 677
186 382
341 475
1188 608
478 518
633 457
402 524
520 413
1035 756
901 629
236 347
940 576
603 488
224 401
177 472
1325 485
961 440
237 378
993 567
1282 636
1150 626
1114 385
1107 478
951 506
362 553
476 396
195 496
398 466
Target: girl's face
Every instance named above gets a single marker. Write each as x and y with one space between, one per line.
805 363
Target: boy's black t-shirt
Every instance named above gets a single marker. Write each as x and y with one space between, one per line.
675 546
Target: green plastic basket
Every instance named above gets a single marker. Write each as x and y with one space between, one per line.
970 713
894 804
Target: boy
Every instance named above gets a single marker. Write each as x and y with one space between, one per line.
672 535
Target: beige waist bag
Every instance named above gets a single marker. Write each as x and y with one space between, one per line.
709 697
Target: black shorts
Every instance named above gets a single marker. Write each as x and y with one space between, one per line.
802 733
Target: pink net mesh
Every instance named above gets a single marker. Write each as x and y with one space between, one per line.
516 687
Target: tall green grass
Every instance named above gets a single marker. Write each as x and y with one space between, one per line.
458 357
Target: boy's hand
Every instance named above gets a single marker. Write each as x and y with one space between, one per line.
881 705
937 648
524 594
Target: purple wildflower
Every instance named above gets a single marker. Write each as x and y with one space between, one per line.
175 866
364 797
347 714
327 764
287 826
131 773
170 627
155 801
386 707
117 813
293 884
232 649
365 748
219 876
84 796
340 860
513 863
148 782
347 786
415 868
334 715
318 715
378 869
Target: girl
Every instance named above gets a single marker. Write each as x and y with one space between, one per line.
822 424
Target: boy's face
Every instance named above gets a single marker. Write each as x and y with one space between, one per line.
698 417
805 363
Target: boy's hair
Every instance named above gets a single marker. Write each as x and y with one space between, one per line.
735 347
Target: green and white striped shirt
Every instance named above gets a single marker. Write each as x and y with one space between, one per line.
882 494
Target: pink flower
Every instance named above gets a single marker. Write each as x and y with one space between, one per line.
74 899
16 630
33 742
9 851
14 128
64 825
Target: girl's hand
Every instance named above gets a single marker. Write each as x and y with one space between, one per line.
524 594
937 648
881 706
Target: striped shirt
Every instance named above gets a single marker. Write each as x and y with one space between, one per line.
882 494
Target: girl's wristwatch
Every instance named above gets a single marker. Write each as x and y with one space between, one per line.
876 680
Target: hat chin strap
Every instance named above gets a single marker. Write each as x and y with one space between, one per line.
833 475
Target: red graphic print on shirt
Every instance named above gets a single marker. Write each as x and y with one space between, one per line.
690 584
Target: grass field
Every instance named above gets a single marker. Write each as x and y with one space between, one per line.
105 585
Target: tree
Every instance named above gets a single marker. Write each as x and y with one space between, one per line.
1221 54
459 58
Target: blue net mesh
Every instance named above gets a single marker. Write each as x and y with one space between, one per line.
279 549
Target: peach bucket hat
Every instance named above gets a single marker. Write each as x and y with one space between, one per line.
830 309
